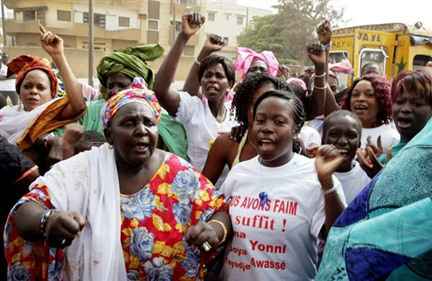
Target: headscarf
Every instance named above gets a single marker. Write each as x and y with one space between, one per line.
25 63
297 81
131 62
138 93
246 57
343 66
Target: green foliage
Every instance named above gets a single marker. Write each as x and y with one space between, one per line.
287 32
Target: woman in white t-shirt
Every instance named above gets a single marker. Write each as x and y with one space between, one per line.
203 121
280 201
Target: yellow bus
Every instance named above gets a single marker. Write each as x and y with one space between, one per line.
393 46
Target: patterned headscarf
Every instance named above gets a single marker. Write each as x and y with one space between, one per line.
246 57
138 93
131 62
25 63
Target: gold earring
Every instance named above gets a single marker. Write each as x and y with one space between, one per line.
110 146
19 105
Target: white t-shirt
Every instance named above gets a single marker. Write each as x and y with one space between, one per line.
201 128
310 136
279 240
7 84
353 181
389 135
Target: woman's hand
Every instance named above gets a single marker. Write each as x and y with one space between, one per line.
237 133
316 54
213 43
51 43
324 32
327 160
62 228
197 235
191 23
368 161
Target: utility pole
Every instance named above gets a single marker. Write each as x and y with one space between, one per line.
174 20
90 44
3 24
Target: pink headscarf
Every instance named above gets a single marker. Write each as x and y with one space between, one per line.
297 81
246 57
343 66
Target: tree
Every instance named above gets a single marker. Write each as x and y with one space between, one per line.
287 32
262 34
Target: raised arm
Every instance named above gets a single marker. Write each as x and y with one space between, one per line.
168 97
53 45
319 55
212 44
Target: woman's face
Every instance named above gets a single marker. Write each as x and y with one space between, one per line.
273 131
133 132
258 92
257 66
364 103
35 89
410 114
116 83
214 83
344 133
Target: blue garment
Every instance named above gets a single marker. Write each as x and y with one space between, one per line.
385 233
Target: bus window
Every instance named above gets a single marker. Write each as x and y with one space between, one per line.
420 61
373 55
338 56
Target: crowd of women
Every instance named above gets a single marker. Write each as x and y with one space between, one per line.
265 179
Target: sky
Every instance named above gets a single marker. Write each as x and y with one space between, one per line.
360 12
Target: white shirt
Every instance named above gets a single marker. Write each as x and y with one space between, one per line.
202 129
7 84
389 135
279 240
353 181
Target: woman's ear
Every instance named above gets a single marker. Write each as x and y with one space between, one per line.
107 133
297 129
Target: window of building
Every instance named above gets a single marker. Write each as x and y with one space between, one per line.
189 50
211 16
99 19
227 16
124 21
239 19
29 15
226 40
63 15
178 26
153 25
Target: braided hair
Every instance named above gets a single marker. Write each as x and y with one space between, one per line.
245 90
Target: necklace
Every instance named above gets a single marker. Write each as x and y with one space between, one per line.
218 126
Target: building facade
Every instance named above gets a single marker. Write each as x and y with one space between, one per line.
122 23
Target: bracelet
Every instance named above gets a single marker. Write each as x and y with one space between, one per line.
46 138
328 46
45 216
321 75
331 190
225 232
320 88
197 62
